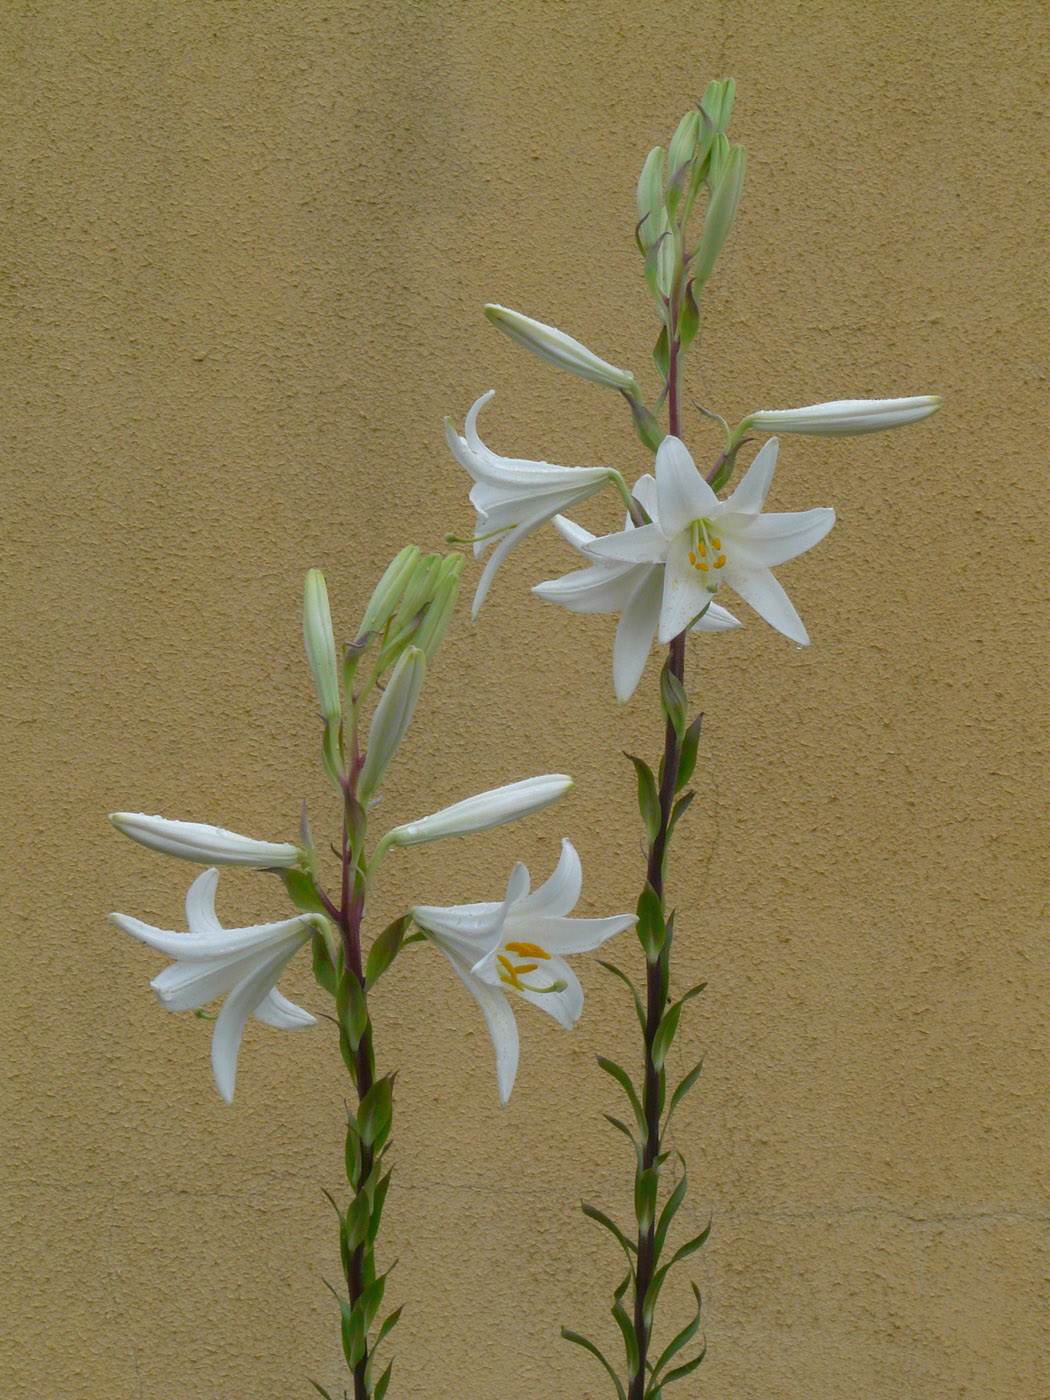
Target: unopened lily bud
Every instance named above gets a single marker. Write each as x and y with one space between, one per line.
844 417
651 219
431 630
418 590
721 212
559 349
683 142
718 102
486 810
392 717
388 591
209 845
320 645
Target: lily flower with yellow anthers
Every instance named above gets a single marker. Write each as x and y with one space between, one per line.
514 497
635 591
703 542
519 945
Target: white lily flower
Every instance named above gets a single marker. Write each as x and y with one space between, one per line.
635 591
519 946
702 542
486 810
844 417
211 961
514 497
205 844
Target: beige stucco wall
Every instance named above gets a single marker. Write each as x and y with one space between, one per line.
245 248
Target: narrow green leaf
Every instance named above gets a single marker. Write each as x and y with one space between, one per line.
675 1345
351 1008
651 926
302 891
588 1345
599 1216
319 1388
677 811
378 1200
688 318
623 1128
673 699
355 1225
684 1087
690 746
354 1161
622 1078
388 1324
376 1113
383 1382
665 1034
680 1372
385 949
369 1302
646 1184
639 1009
661 353
324 973
690 1247
648 800
669 1211
630 1341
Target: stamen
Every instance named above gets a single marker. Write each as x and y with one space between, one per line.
720 561
525 967
527 950
703 568
716 543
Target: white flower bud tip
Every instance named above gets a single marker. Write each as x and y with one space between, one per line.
560 350
845 417
208 845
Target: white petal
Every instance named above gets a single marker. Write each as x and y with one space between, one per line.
200 905
484 811
643 545
576 535
682 493
635 632
187 985
845 416
758 587
564 1005
568 936
715 619
467 930
517 885
501 1024
556 896
684 593
218 946
199 842
644 492
276 1010
238 1006
772 539
750 496
603 588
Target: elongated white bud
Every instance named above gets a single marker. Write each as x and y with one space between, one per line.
209 845
560 350
487 809
320 645
844 417
392 717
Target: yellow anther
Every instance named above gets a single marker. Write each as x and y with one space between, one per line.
692 558
527 950
522 968
716 543
720 561
702 568
510 974
702 548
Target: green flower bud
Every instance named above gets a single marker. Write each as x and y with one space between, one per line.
431 630
683 142
392 717
721 213
652 220
558 349
388 590
320 645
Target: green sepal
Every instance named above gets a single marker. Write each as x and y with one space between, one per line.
639 1009
684 1087
646 1184
675 1345
662 353
651 927
630 1341
588 1345
648 798
600 1218
376 1113
687 756
385 949
673 699
688 318
622 1078
325 974
351 1008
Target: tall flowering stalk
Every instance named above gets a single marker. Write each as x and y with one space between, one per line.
681 544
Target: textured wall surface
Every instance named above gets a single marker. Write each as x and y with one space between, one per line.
245 248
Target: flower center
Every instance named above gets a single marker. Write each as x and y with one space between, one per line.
706 554
511 973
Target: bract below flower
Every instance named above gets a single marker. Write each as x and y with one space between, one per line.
702 542
211 962
513 497
635 591
519 945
